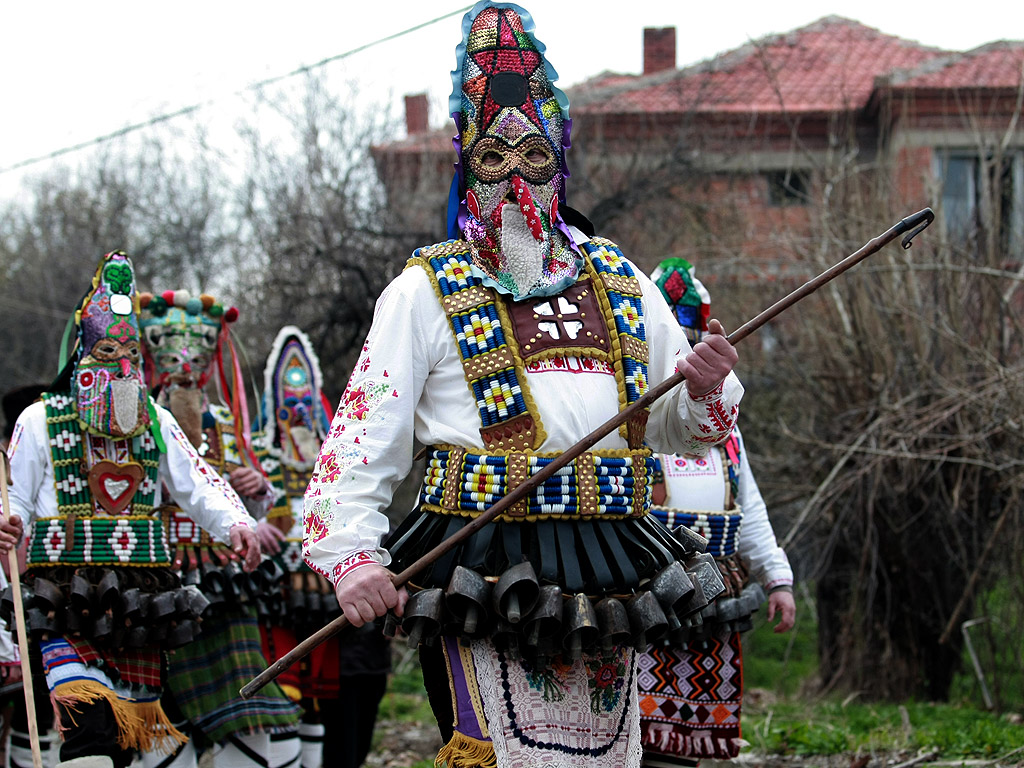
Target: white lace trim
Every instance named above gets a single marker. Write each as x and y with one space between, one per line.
488 675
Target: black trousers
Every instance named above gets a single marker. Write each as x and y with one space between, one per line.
438 688
349 719
90 729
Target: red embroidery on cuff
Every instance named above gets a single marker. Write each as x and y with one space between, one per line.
714 394
350 563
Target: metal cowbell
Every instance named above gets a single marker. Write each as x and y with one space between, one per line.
581 630
613 623
516 592
647 620
546 619
423 615
466 598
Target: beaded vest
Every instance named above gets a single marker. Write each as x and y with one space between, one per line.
720 527
104 501
497 340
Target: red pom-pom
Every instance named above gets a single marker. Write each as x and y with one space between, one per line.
231 314
168 297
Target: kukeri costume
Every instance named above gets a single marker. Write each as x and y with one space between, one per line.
18 747
186 340
690 687
91 464
499 349
348 670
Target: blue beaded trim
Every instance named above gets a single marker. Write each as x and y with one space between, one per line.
481 480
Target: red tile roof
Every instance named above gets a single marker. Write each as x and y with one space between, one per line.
832 65
995 65
827 66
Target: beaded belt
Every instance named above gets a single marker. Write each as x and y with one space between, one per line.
122 540
182 530
721 529
613 484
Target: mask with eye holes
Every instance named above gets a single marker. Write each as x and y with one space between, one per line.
297 414
107 382
513 130
180 334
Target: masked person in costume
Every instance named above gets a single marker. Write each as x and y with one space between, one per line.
186 342
499 349
18 745
690 687
90 464
343 680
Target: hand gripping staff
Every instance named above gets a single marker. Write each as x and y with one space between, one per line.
912 224
19 620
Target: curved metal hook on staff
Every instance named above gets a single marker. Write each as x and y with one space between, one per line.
912 225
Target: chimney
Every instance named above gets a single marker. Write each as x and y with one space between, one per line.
416 114
659 49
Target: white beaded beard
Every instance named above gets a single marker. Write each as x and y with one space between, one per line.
522 257
125 395
524 254
305 447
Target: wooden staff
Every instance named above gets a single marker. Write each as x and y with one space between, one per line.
19 620
914 224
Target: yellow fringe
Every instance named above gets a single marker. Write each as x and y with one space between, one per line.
466 752
141 725
291 691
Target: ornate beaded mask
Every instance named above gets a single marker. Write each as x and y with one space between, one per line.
297 418
687 297
513 129
107 382
181 334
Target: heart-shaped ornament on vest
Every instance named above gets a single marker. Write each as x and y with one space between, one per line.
113 485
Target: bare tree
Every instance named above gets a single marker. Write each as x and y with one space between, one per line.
317 222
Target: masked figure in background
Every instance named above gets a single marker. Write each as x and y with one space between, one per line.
500 349
343 680
91 464
691 687
186 341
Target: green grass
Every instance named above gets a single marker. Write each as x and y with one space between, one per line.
405 699
781 663
829 727
998 641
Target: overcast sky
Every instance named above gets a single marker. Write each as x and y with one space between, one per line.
76 70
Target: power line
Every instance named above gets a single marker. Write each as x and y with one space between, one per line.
196 107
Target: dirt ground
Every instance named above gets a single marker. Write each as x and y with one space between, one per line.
402 744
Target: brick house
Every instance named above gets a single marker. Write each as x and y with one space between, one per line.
749 157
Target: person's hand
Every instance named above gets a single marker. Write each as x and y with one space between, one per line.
781 602
368 592
248 482
10 532
710 361
10 674
245 544
270 537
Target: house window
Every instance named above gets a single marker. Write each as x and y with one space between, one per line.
788 187
982 194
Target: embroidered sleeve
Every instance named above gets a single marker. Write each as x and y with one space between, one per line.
201 493
29 456
350 563
368 449
757 546
678 422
